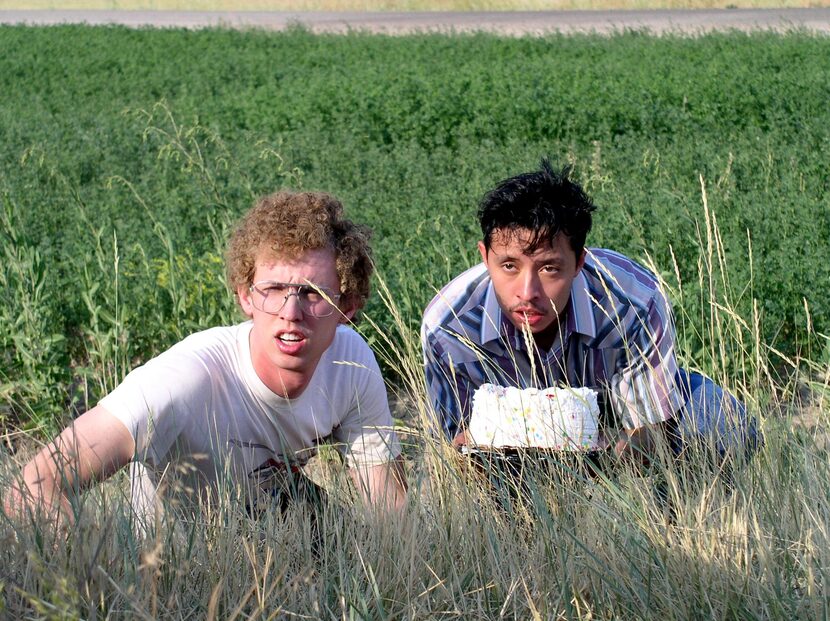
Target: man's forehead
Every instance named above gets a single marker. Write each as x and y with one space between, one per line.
272 255
268 256
527 242
318 265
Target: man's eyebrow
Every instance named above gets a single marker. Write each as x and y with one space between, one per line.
556 260
505 257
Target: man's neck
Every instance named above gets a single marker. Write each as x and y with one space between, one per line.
286 384
545 340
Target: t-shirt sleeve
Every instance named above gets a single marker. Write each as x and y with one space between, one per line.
646 391
366 434
154 402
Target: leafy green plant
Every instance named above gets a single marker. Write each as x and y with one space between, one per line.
409 132
30 337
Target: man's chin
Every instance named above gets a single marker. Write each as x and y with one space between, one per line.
288 362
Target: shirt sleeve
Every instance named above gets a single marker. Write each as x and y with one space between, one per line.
646 391
448 387
155 402
366 434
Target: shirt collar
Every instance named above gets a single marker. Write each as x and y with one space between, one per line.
581 317
492 319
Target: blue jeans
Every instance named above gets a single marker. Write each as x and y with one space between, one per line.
712 415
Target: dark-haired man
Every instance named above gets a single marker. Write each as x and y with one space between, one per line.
543 310
244 407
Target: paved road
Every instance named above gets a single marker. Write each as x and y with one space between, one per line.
508 23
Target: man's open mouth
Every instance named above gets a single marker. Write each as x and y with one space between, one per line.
290 337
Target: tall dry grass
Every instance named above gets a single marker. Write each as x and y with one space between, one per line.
682 540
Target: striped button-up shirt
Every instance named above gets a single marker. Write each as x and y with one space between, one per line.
616 336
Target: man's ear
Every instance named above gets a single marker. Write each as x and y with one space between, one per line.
580 261
483 250
347 314
243 294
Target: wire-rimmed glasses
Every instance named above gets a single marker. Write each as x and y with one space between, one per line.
273 296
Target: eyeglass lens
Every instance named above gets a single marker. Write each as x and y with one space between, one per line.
312 299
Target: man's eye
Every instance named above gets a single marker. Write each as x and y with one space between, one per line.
275 289
310 294
549 269
509 267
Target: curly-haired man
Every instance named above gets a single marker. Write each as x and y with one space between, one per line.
247 405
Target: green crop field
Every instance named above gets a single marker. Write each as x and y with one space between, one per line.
125 155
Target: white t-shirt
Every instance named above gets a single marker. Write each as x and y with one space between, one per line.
199 413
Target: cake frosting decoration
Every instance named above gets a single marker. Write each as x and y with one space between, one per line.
553 418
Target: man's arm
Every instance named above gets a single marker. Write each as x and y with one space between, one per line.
382 485
92 448
448 391
646 395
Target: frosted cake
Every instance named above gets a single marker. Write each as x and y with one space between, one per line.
563 419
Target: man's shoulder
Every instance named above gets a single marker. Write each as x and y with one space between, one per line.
198 358
216 338
461 295
348 344
347 336
610 273
212 346
182 374
348 364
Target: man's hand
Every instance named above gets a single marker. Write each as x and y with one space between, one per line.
640 444
460 440
14 503
382 485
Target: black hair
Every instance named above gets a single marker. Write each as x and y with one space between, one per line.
544 202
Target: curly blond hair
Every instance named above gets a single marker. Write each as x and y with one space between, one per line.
287 224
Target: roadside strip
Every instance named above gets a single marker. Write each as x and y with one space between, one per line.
515 23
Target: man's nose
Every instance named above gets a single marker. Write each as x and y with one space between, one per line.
292 310
531 287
